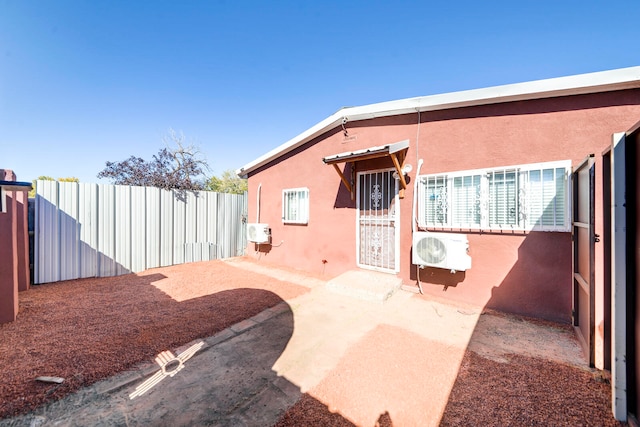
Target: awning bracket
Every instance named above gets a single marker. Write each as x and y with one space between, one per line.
343 178
396 152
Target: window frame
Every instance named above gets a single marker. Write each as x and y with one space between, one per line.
297 191
444 207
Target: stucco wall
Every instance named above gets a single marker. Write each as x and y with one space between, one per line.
14 250
525 273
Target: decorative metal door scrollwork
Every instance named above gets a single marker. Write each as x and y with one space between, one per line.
377 220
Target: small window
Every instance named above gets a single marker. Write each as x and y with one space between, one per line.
525 197
295 206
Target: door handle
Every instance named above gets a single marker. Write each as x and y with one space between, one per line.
596 238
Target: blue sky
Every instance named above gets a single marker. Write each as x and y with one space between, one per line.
84 82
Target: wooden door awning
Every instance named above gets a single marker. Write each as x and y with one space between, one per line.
396 151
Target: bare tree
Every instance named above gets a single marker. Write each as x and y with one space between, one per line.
177 166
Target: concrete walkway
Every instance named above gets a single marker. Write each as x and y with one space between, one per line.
322 343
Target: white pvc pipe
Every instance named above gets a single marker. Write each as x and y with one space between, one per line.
258 203
414 218
415 197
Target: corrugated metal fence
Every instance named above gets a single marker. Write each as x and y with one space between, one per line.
98 230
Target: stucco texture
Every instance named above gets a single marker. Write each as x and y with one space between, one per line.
527 273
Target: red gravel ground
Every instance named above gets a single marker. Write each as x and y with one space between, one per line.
86 330
527 392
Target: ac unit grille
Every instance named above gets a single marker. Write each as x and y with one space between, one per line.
251 233
431 249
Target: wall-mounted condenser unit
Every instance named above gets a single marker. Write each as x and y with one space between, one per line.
258 232
441 250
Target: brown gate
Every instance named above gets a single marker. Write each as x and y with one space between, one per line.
584 239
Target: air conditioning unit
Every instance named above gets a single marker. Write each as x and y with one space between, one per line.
441 250
258 233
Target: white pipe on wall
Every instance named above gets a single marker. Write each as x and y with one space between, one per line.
414 215
258 203
415 197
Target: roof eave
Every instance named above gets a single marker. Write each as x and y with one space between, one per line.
295 142
604 81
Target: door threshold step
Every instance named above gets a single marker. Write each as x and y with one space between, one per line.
365 285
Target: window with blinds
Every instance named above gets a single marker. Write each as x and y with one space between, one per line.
525 197
503 198
466 193
435 188
295 206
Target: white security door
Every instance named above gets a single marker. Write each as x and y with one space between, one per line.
377 229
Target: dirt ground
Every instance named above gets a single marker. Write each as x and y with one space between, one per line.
514 371
88 329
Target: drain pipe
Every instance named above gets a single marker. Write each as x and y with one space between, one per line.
415 197
258 203
415 216
258 215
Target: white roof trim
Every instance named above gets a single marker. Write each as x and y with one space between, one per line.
603 81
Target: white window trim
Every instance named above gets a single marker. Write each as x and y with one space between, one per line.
304 220
484 198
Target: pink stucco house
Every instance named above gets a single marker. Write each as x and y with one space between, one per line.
500 197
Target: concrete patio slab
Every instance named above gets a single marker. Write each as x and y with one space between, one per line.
365 285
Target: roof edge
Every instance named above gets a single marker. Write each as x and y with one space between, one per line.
580 84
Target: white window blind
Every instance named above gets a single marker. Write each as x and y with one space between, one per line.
547 209
435 212
503 198
295 206
525 197
466 194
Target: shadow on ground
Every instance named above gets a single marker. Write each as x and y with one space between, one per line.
90 329
228 381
